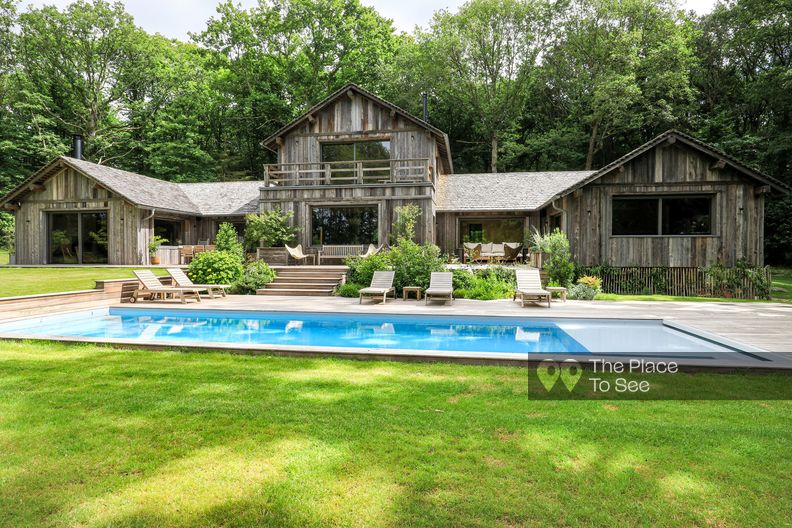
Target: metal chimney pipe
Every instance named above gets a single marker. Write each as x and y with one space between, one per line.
77 146
425 107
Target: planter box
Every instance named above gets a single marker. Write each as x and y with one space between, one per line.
275 256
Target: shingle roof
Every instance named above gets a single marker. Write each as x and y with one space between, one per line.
520 191
224 198
138 189
207 199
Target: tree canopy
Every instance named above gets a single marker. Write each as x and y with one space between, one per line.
517 84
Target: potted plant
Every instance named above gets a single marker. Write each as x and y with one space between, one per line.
267 234
154 244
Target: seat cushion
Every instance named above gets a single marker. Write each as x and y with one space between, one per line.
497 249
486 248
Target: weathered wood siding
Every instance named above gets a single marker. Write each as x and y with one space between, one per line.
300 200
69 191
357 119
668 170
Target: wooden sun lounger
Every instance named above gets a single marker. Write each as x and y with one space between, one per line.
440 287
182 280
153 289
529 287
381 284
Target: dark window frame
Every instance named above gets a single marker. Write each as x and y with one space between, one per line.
712 196
354 143
374 205
80 242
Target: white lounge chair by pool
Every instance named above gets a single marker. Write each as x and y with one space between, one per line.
181 279
529 287
381 284
440 287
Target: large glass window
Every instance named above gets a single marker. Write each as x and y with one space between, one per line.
344 225
662 215
359 150
78 238
497 230
350 153
169 230
687 216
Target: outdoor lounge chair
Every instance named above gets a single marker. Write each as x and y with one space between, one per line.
512 251
371 251
440 287
472 252
381 284
297 254
153 289
182 280
529 287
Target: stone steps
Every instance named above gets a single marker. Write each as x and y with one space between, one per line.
305 281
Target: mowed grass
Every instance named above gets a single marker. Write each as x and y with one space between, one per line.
93 436
29 281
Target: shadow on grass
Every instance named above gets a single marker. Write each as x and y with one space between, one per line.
98 437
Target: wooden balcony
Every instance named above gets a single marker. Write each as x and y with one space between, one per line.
368 172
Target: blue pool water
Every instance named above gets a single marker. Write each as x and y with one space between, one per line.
305 330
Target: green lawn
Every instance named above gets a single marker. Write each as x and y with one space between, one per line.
99 437
29 281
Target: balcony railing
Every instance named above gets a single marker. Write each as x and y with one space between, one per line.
364 172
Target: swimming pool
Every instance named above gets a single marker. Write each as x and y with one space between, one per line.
502 336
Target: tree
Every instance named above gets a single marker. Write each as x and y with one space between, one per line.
480 59
79 65
616 73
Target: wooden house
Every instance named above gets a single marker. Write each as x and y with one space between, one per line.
345 165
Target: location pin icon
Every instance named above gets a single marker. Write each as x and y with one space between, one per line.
570 373
547 371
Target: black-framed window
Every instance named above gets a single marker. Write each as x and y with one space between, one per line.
78 238
170 230
344 225
687 215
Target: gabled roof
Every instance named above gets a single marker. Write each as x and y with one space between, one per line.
513 191
207 199
443 142
693 143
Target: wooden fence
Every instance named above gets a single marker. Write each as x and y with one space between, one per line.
739 283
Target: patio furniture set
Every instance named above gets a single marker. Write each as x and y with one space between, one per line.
479 253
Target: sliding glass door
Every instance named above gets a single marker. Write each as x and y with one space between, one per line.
78 238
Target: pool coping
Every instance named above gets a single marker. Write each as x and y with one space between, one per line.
754 359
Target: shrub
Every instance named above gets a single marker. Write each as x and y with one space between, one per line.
582 292
226 240
270 229
404 223
484 284
361 270
595 283
7 231
414 263
256 275
557 257
462 278
215 267
350 289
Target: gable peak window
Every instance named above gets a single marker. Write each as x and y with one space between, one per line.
680 215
